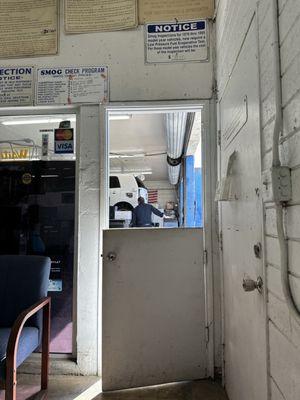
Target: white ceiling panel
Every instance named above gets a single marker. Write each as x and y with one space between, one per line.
138 145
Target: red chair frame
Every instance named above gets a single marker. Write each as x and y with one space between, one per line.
10 384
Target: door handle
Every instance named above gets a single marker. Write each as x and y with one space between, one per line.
249 285
111 256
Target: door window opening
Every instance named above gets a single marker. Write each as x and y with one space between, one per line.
147 159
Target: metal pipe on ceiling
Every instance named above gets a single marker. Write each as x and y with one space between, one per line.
173 173
175 124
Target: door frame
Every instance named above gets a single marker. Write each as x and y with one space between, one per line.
209 181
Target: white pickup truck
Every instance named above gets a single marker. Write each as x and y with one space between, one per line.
124 191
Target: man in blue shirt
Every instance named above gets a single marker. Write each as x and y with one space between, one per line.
141 215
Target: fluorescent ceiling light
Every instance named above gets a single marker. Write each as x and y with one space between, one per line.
136 173
36 121
126 155
119 117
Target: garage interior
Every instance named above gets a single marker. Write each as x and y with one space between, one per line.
205 304
159 149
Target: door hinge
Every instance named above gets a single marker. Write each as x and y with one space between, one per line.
221 241
207 334
219 137
205 257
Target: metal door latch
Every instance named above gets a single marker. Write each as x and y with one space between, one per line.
249 285
111 256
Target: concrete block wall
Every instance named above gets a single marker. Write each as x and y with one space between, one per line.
232 22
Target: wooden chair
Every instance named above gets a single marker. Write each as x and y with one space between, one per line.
24 316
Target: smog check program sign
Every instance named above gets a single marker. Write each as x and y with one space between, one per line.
176 42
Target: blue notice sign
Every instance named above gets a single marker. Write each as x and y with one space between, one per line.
176 42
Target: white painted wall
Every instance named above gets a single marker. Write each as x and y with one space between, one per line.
140 134
166 191
232 22
130 80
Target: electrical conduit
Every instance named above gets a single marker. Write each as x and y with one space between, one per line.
278 128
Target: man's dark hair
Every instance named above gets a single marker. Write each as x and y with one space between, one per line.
141 200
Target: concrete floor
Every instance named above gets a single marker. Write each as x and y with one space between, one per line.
64 387
197 390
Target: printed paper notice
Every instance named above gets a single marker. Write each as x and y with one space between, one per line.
16 86
28 28
168 10
69 85
176 42
99 15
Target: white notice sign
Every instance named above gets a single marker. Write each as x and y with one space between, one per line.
69 85
99 15
176 42
16 86
28 28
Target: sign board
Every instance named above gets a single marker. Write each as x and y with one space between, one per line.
28 28
64 140
69 85
168 10
99 15
176 42
16 86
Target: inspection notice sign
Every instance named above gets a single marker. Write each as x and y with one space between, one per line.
16 86
69 85
176 42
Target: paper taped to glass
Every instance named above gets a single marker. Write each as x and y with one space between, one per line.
28 28
99 15
169 10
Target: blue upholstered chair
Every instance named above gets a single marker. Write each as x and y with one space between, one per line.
24 316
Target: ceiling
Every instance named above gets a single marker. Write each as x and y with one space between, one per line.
138 145
141 138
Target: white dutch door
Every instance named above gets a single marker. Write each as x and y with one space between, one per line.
153 307
245 320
